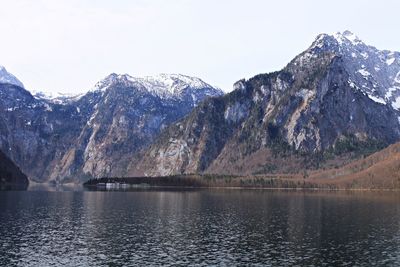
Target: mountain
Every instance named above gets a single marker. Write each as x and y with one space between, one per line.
33 132
9 172
73 138
334 102
56 98
376 73
6 77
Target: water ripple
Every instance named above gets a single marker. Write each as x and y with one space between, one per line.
198 228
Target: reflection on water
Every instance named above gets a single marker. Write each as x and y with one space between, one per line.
205 227
54 187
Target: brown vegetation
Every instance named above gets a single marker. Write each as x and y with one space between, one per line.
380 170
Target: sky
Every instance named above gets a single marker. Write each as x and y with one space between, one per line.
69 45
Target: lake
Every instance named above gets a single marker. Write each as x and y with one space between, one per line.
199 227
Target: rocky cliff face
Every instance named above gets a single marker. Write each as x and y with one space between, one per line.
10 173
340 95
70 138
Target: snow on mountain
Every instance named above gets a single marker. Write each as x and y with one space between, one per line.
58 136
165 86
56 97
6 77
376 72
346 37
333 99
162 85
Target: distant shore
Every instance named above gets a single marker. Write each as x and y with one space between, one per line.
229 181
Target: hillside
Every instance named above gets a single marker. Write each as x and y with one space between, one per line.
380 170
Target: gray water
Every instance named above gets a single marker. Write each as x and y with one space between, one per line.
199 227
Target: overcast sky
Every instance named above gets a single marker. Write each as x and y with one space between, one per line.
68 45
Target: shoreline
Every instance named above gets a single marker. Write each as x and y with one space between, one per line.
230 182
253 188
134 187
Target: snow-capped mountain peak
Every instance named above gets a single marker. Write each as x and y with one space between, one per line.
6 77
337 41
374 72
347 36
163 85
174 82
56 97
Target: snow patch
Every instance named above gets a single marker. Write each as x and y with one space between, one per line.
364 73
390 61
319 42
91 119
194 98
48 108
364 55
396 103
352 84
347 36
390 91
377 99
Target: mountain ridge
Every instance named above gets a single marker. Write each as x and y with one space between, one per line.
95 134
334 102
318 102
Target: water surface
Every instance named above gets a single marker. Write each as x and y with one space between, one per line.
199 227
